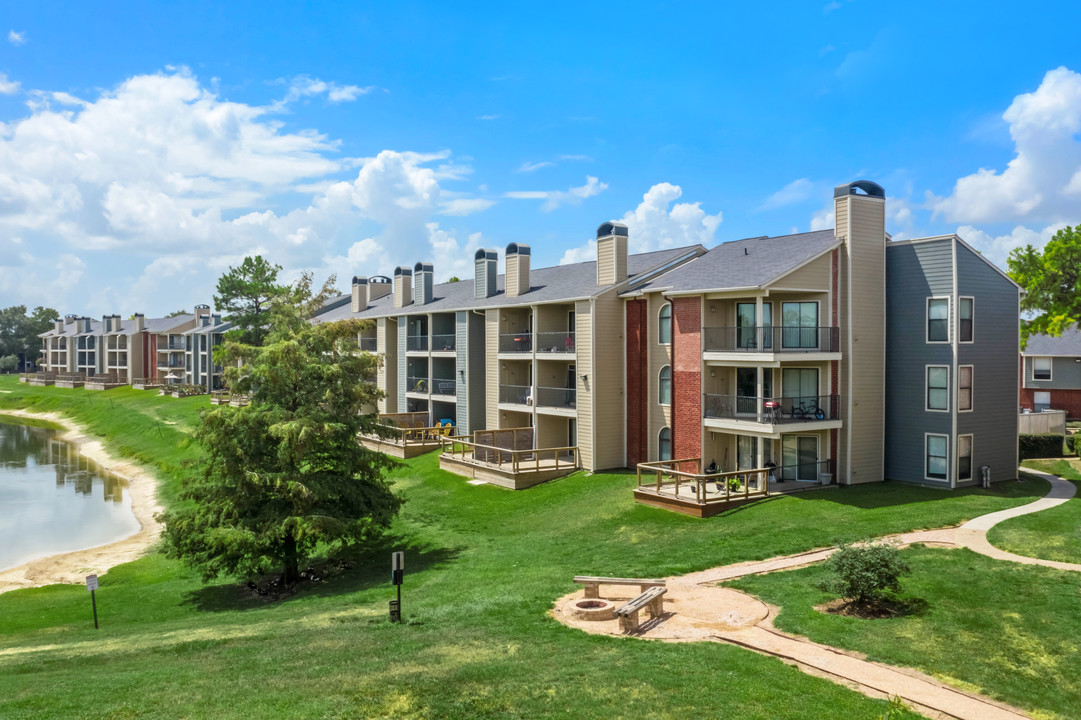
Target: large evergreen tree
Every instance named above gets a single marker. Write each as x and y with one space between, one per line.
286 473
19 330
244 294
1052 283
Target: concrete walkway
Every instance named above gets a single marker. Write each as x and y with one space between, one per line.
696 609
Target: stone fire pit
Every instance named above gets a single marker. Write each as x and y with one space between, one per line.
593 609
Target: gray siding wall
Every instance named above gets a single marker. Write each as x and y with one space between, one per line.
993 355
475 374
914 273
402 330
461 370
1065 375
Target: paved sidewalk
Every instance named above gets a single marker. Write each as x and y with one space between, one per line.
697 609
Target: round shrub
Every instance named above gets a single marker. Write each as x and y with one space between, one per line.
866 574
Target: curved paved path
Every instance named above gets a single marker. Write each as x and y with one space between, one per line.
696 609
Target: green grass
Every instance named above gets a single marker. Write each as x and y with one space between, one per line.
1006 630
484 566
1053 534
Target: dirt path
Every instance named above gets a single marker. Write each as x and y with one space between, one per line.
696 609
73 567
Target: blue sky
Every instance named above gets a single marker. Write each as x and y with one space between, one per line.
143 150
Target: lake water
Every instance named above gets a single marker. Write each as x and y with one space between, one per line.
54 500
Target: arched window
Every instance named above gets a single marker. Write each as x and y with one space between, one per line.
664 325
664 386
664 444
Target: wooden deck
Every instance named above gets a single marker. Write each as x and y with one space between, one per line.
516 469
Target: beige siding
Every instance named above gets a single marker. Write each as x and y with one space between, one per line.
611 260
491 350
609 399
815 275
386 345
866 249
583 320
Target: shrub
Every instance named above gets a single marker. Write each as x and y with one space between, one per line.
1040 445
866 574
1070 446
8 363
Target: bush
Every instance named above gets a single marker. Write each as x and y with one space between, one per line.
865 574
1040 445
9 363
1070 446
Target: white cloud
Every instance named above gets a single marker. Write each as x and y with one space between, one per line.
1043 181
528 167
16 38
555 198
794 192
489 117
997 248
464 205
657 224
303 86
8 87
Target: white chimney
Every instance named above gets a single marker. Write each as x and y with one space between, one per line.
517 280
360 294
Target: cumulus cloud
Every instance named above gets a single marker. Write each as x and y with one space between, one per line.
303 86
657 224
16 38
8 87
554 198
1043 180
996 248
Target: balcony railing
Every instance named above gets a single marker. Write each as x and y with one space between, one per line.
416 343
772 339
516 394
516 342
444 343
369 344
416 384
177 344
553 342
771 410
557 397
444 386
810 471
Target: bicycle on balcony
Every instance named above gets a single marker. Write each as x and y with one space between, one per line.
807 409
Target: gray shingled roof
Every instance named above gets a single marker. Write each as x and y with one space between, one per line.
551 284
154 325
748 263
1069 345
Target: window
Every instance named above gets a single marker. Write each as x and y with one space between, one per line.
1041 368
664 386
938 387
664 444
938 319
965 311
937 455
799 324
964 387
964 457
799 390
1041 401
664 325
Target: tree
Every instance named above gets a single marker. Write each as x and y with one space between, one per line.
1052 283
19 331
454 279
177 313
8 363
866 574
245 294
286 473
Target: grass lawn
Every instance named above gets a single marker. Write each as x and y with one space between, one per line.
1009 631
1053 534
483 566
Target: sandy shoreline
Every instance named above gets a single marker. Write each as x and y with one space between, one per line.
73 567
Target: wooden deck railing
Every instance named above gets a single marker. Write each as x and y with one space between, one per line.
409 435
462 447
668 476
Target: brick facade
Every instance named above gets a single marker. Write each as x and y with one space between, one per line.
686 377
637 382
1068 400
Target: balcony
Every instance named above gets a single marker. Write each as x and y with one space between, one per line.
506 457
172 345
555 342
770 411
369 344
516 342
771 339
444 343
444 386
415 384
557 397
416 343
516 394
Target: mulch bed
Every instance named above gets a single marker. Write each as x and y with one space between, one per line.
871 611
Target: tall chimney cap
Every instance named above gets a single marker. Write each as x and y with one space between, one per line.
360 280
423 267
867 187
401 271
612 228
202 307
483 254
516 248
378 280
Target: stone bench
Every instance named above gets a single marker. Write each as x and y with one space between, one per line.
593 584
652 599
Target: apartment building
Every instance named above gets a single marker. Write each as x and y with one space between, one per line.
1051 373
831 356
197 364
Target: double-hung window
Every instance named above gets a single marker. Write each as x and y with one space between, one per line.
964 457
937 456
664 324
965 310
938 387
1041 368
964 387
938 319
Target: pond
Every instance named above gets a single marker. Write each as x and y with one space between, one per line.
54 500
